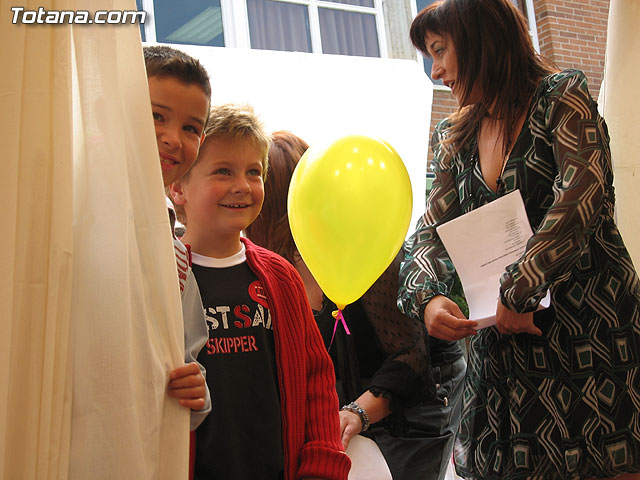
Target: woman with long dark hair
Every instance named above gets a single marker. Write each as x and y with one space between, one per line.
554 393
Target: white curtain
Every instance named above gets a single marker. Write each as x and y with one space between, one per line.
35 251
90 319
278 26
348 33
618 101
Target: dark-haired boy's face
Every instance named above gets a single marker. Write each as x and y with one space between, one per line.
179 114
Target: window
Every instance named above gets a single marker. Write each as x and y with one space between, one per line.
277 25
427 62
525 6
196 22
343 27
139 8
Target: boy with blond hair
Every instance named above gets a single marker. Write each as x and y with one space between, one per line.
275 398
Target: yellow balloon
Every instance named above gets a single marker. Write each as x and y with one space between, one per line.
349 209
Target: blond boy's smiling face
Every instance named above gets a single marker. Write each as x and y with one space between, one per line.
222 195
179 114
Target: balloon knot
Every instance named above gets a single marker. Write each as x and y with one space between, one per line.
337 314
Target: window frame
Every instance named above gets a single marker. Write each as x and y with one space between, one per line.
235 21
533 26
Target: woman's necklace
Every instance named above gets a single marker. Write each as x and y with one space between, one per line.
491 151
500 185
496 133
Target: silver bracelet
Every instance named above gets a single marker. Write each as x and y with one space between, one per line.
361 412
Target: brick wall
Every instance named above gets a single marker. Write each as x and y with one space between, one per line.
444 104
572 33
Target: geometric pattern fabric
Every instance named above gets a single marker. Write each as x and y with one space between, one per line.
565 405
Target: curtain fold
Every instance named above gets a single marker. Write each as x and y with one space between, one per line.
90 319
348 33
35 258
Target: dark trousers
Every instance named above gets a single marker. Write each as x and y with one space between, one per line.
424 451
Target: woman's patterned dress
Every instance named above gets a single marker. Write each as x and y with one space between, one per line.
565 405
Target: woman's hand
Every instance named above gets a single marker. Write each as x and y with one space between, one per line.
444 320
377 408
350 425
509 322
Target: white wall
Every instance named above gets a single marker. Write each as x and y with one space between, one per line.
621 109
323 97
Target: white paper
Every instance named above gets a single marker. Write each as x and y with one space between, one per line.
367 461
481 244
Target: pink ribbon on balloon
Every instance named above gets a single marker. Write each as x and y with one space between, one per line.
337 314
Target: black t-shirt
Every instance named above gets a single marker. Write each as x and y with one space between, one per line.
242 436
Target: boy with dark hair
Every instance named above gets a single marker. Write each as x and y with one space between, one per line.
275 398
180 96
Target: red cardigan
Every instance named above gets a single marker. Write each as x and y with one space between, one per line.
310 423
